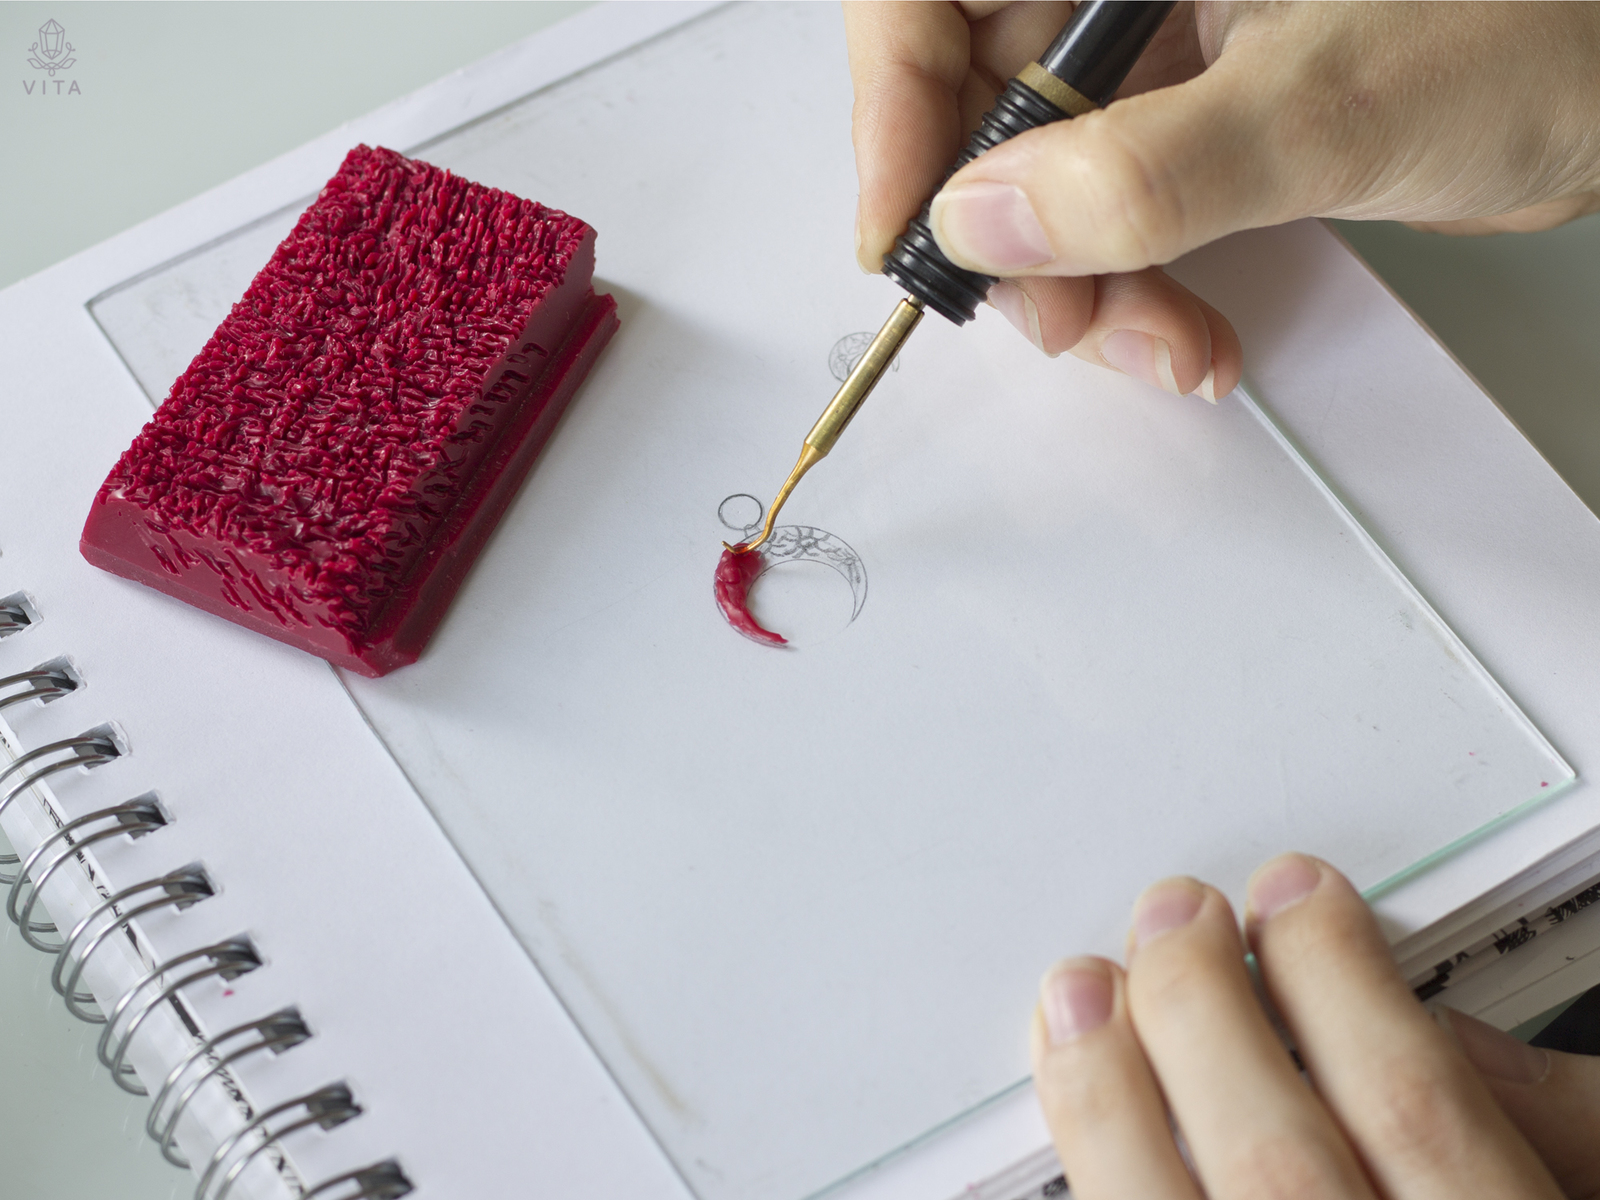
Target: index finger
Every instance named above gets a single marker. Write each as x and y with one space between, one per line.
1421 1119
907 62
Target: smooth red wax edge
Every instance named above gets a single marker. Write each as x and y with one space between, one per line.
405 624
398 636
736 571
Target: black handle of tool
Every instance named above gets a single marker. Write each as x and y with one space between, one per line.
1091 56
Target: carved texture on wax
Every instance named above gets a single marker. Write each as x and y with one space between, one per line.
339 439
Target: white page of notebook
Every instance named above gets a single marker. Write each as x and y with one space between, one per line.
1107 634
423 1001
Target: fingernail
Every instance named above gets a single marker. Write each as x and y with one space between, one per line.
1140 356
1495 1054
1016 306
1165 906
1208 386
859 263
990 225
1076 998
1280 883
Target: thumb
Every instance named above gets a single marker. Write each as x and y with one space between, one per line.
1552 1098
1133 185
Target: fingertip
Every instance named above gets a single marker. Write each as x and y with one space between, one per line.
1299 907
1149 327
1163 363
1140 355
1495 1053
1282 884
1017 307
1551 1097
1166 905
1279 884
869 247
1076 997
1050 313
1226 367
1097 1090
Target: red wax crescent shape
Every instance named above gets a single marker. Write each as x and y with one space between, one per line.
333 460
736 571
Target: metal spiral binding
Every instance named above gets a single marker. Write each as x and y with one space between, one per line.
16 614
135 818
179 889
46 682
229 960
327 1107
89 749
380 1181
279 1031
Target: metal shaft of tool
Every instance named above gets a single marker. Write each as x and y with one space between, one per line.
846 402
864 376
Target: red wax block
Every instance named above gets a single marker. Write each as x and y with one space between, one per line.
331 463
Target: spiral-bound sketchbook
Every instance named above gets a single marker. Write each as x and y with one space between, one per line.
598 895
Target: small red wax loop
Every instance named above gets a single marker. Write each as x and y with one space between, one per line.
736 571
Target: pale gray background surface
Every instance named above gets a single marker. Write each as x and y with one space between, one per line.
174 98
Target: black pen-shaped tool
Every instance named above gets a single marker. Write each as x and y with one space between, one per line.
1081 70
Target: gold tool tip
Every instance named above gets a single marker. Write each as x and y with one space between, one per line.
810 456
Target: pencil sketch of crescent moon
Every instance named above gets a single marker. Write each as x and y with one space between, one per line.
847 352
743 513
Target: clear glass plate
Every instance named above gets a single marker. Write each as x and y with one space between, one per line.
1079 635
